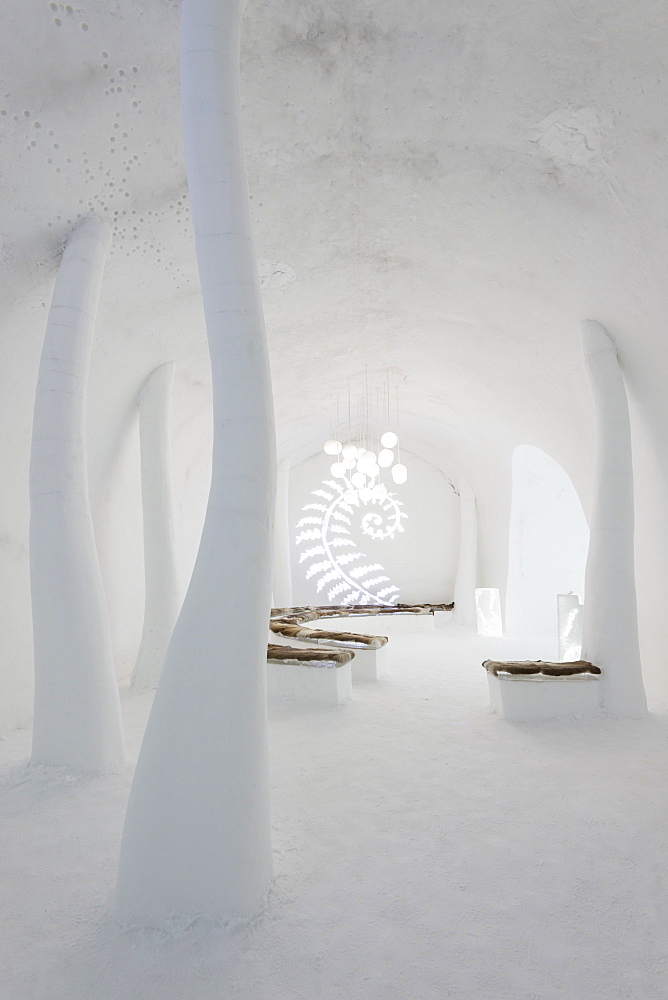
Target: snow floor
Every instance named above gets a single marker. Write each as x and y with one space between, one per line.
424 849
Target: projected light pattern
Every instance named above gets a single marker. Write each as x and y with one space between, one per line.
334 558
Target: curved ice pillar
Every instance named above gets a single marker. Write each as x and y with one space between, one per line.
197 829
467 564
282 589
161 603
77 710
610 623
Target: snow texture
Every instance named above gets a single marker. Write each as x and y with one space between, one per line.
423 849
77 721
162 597
467 560
444 190
197 830
610 614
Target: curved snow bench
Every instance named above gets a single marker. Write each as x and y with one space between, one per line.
426 613
369 650
349 610
322 675
524 690
289 626
320 635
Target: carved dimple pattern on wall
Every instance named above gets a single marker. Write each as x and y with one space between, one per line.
111 179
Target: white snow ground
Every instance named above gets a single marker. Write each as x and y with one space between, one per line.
423 849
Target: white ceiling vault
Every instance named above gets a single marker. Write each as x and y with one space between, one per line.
441 189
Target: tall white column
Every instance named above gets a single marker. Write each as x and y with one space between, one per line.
282 589
197 830
467 565
77 711
161 602
610 621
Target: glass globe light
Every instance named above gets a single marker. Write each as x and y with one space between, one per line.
361 464
370 457
389 439
365 494
332 447
373 470
358 479
385 458
338 470
399 474
349 463
379 491
349 451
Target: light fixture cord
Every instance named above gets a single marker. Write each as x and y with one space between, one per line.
398 437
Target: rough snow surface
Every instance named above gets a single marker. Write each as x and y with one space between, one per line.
423 849
441 189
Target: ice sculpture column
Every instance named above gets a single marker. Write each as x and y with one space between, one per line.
197 829
282 570
77 711
610 625
161 603
467 571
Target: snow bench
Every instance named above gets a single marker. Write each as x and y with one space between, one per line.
350 610
369 650
294 626
420 616
321 675
524 690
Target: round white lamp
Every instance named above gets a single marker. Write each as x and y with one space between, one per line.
332 447
399 474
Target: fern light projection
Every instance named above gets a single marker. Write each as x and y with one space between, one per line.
330 554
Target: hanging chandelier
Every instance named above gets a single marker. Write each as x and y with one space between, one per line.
369 451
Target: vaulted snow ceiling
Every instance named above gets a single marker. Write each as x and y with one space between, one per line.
441 189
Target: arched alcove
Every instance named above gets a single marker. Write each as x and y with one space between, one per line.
547 545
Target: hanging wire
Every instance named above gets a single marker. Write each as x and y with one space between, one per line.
388 400
337 438
397 430
366 407
378 433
